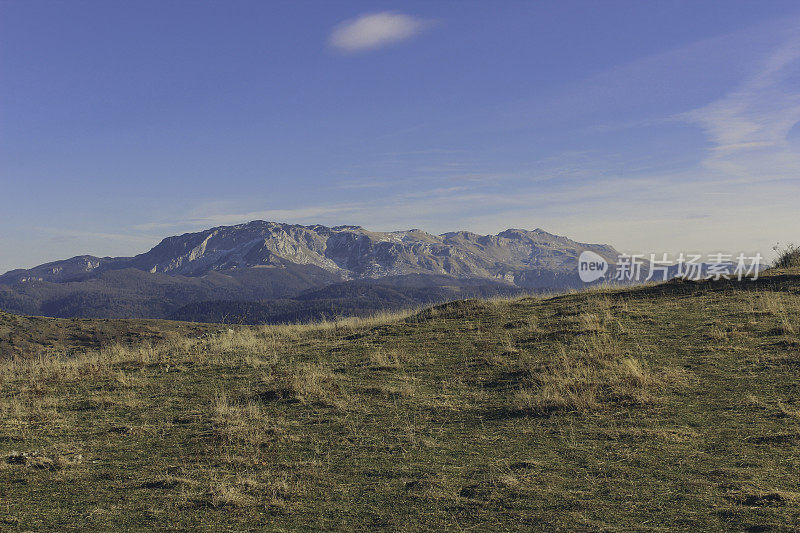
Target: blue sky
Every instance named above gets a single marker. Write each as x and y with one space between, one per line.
653 126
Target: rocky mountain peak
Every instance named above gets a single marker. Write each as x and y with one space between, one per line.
347 251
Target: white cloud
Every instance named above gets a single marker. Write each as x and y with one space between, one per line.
69 234
749 126
375 30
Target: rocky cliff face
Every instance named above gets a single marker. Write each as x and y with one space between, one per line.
350 252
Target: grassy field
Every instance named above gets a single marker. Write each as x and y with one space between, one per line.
674 406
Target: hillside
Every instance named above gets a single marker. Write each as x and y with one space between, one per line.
259 262
672 406
40 336
132 293
350 298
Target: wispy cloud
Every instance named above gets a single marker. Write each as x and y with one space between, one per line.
375 30
365 184
71 234
749 126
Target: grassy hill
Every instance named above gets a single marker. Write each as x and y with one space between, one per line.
674 406
35 336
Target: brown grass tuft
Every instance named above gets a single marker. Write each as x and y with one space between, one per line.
590 377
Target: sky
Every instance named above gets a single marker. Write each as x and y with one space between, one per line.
656 127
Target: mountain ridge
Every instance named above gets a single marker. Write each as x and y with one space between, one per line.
350 251
260 261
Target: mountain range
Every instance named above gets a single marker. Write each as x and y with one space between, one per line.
269 271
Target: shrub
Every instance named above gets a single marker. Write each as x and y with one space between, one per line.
788 256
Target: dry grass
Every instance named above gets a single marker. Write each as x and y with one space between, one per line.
588 374
227 495
788 410
246 422
388 358
583 384
759 498
44 460
309 383
255 346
